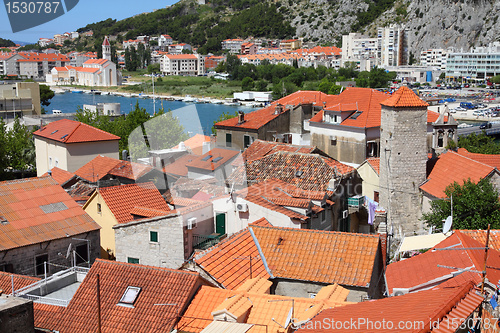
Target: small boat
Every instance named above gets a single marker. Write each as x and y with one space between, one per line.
232 103
77 91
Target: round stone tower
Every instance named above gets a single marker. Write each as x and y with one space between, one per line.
403 158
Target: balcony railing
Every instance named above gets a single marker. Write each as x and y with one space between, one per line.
203 242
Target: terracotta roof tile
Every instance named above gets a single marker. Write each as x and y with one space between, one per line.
319 256
452 167
263 310
404 97
121 200
195 143
375 163
229 261
260 148
214 159
158 286
424 307
39 210
480 236
61 176
20 281
70 131
102 166
178 167
317 170
488 159
130 170
419 270
261 222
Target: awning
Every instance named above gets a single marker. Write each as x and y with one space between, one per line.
414 243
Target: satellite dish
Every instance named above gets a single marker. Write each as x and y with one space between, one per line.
69 251
447 224
289 317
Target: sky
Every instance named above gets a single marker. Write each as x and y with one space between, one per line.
85 12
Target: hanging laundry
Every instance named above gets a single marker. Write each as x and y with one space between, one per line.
371 207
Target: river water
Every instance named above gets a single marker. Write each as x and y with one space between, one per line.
196 118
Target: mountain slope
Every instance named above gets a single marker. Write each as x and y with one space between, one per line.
431 23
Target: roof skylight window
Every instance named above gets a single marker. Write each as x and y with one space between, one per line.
64 136
130 295
356 114
217 159
206 158
54 132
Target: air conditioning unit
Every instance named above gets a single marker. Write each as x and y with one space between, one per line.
191 223
242 207
400 291
345 214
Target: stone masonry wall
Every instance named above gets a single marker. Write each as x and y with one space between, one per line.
403 156
132 241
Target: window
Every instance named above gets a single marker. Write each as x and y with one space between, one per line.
130 295
153 236
247 140
323 216
132 260
50 162
333 140
99 211
40 264
82 254
375 196
229 139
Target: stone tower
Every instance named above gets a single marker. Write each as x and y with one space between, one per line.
106 49
403 158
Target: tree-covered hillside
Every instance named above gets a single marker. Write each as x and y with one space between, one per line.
202 26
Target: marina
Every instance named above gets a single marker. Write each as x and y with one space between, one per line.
196 115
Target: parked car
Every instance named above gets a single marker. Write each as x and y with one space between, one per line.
485 125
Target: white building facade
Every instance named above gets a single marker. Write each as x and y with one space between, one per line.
480 63
182 64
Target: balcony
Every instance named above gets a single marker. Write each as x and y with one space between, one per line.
203 242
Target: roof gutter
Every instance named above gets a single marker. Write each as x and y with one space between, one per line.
262 257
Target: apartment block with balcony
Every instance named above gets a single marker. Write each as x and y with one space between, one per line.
480 63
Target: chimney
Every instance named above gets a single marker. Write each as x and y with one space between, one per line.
278 109
241 117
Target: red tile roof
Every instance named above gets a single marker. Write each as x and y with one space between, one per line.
61 176
70 131
229 261
266 311
317 170
480 236
195 143
488 159
20 281
158 286
452 167
96 61
39 210
420 270
404 97
214 159
180 56
419 309
261 148
106 41
319 256
178 167
121 200
102 166
375 163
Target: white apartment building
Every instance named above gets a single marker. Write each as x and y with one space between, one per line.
233 45
480 63
434 58
178 48
182 64
165 40
360 49
392 46
9 64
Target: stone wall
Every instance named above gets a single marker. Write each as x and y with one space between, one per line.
23 259
403 157
132 240
16 315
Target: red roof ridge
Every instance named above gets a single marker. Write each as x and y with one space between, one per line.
316 231
404 97
153 268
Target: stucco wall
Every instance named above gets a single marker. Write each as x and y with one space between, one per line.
79 154
105 219
294 288
370 180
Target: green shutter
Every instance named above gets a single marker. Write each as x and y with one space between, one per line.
153 236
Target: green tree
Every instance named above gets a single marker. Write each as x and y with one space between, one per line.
247 83
474 206
495 79
153 68
160 132
4 158
261 85
46 95
479 143
222 117
20 148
